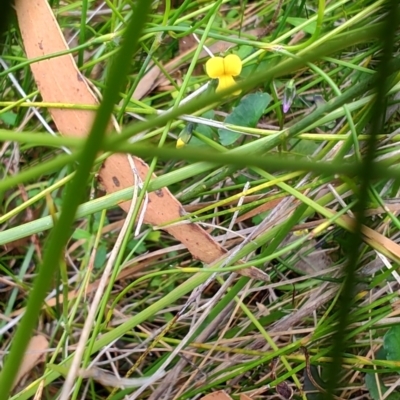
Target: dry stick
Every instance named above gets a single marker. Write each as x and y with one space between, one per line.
392 387
107 379
39 391
74 369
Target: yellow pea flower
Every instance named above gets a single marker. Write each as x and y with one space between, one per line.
224 69
185 136
180 143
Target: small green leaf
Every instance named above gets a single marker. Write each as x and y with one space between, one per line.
304 147
391 343
247 113
169 316
9 118
372 386
154 236
204 130
257 219
390 351
310 28
101 255
156 281
138 248
244 51
80 234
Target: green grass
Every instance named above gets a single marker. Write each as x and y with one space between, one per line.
165 323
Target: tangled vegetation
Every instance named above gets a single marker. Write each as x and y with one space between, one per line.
200 197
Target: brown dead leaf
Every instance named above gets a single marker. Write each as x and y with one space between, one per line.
244 397
33 356
311 258
374 238
147 83
220 395
59 80
186 43
254 273
39 391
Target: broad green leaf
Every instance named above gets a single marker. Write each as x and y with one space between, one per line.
247 113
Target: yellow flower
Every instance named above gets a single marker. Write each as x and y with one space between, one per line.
185 135
224 69
180 143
